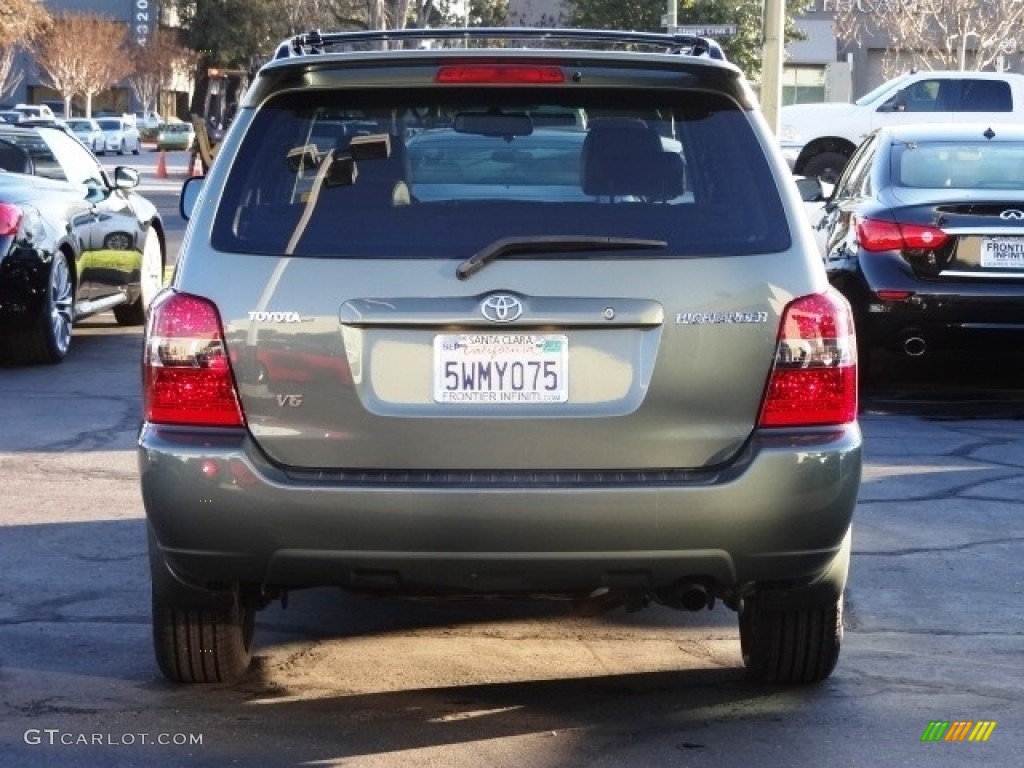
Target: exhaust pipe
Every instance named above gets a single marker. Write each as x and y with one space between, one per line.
686 596
914 346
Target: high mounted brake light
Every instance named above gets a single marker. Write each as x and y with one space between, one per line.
187 376
499 74
814 379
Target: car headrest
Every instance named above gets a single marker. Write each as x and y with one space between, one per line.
623 157
395 166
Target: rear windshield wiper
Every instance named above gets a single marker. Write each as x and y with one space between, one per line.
508 246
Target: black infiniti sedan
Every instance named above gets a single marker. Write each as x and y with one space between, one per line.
925 237
73 242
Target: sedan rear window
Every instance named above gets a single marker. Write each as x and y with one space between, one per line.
436 173
961 165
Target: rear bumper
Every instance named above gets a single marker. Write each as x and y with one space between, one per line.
946 314
220 513
24 277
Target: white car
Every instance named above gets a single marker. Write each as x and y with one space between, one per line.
31 111
817 139
120 135
148 120
89 133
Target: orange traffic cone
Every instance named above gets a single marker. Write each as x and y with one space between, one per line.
161 165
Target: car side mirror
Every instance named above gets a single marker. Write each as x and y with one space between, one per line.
812 190
190 194
125 177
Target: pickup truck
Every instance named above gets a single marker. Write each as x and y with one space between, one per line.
818 139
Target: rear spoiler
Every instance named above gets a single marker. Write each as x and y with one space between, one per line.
319 42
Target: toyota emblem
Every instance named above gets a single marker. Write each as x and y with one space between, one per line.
1012 214
501 308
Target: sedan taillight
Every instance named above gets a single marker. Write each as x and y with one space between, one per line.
187 376
877 235
814 379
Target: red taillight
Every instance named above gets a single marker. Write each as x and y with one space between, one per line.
893 295
876 235
10 219
500 74
814 379
186 373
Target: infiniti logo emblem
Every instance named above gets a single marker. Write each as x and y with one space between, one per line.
501 308
1012 214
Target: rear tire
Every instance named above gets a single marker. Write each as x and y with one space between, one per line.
790 645
199 636
203 645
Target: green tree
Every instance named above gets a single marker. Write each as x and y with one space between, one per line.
229 34
744 49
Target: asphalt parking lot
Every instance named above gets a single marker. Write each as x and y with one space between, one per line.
934 628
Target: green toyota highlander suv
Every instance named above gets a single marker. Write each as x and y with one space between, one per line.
516 312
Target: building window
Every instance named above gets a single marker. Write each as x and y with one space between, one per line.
803 85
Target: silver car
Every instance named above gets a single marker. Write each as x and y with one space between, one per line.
121 135
88 132
541 321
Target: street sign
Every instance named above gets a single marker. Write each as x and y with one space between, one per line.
705 30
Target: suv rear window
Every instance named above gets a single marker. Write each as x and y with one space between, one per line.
437 173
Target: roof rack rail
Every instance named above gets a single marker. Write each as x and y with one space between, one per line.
317 42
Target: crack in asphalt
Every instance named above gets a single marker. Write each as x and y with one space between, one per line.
96 438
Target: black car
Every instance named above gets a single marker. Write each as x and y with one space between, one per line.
73 242
925 237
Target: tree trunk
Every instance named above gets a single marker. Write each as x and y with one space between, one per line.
202 79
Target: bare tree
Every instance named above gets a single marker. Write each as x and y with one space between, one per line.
155 66
20 22
84 54
934 34
9 77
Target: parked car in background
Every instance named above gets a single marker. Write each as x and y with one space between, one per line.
73 242
818 139
11 116
120 135
35 111
171 136
475 329
148 120
925 238
89 133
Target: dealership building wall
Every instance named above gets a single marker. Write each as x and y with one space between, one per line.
142 18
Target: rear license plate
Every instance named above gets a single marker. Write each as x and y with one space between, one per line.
1002 252
512 368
